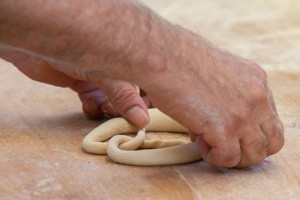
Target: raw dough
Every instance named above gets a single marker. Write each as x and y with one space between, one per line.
122 149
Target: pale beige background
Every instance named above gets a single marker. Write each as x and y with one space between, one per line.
266 31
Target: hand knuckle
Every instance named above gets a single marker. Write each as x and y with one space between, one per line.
277 143
242 115
258 91
258 144
279 128
230 159
122 97
276 147
257 70
276 136
261 73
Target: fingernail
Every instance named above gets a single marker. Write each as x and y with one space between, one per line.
137 116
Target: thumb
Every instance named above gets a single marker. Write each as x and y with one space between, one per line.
126 100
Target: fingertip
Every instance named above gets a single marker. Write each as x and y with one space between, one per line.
91 109
137 116
275 136
227 154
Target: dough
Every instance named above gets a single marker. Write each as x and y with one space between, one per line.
122 148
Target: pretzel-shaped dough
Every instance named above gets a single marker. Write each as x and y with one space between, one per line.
122 149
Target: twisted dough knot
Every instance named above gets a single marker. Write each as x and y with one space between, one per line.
121 148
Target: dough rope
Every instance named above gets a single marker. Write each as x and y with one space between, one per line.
122 148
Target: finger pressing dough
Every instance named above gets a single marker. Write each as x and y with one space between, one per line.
123 149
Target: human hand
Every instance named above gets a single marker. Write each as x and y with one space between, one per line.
122 95
223 100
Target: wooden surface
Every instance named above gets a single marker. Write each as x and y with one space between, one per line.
41 127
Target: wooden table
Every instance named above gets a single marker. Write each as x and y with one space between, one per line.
41 130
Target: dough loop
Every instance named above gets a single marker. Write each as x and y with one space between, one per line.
122 148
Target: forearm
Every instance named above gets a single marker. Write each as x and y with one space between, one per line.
111 38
